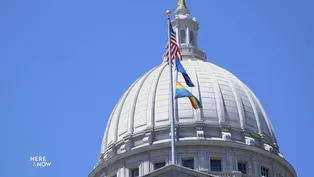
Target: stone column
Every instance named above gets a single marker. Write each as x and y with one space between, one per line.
202 160
122 172
230 160
187 31
145 167
255 167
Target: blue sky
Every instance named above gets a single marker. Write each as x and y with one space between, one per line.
64 65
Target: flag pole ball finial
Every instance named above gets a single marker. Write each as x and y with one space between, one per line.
168 13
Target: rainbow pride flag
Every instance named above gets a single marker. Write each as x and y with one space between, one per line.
182 92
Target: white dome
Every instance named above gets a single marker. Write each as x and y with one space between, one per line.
230 111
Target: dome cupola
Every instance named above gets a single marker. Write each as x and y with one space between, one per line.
186 30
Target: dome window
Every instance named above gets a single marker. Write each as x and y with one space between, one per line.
159 165
182 36
264 172
135 172
215 165
189 163
191 36
242 167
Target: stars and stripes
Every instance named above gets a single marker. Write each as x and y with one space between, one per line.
174 47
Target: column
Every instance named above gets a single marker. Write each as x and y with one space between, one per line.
230 161
202 160
187 36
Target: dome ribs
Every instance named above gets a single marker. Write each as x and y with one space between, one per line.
135 99
253 107
264 125
105 139
116 116
161 100
238 102
152 96
230 111
232 101
218 98
269 125
125 121
199 112
210 114
121 108
249 117
232 118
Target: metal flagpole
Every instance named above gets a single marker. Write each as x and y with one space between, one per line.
175 108
171 105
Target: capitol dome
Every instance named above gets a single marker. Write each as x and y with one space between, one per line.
230 111
231 136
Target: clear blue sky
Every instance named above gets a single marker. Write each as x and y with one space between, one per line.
65 63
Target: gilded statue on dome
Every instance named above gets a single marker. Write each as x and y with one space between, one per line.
181 4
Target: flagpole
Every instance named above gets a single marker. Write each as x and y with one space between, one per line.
171 104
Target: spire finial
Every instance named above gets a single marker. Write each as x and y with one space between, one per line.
182 9
181 4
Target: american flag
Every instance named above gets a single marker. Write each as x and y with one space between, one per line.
175 50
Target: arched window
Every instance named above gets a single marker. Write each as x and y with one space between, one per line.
182 36
191 38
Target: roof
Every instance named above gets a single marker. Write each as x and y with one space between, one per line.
228 104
